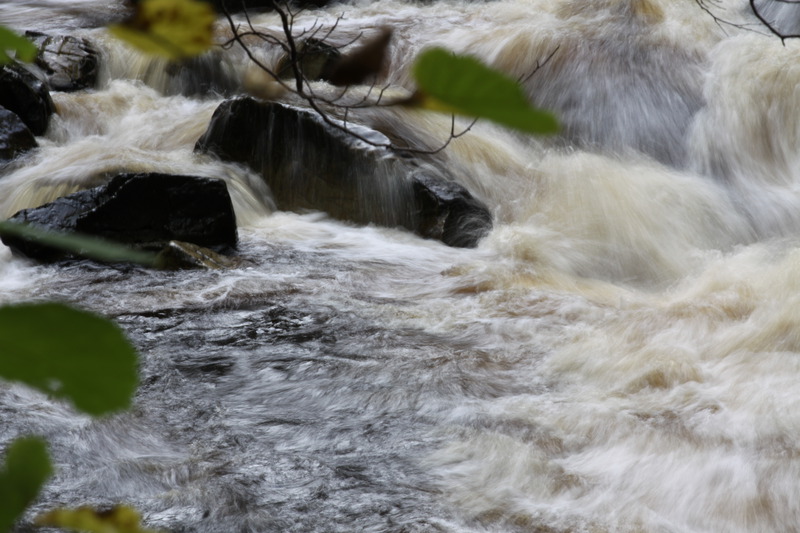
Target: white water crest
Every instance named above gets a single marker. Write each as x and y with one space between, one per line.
620 353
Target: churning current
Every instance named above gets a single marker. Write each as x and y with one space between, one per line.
621 353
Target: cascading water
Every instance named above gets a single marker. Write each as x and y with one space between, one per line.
620 353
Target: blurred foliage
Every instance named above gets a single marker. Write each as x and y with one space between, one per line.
119 519
22 48
27 467
69 354
464 86
175 29
80 245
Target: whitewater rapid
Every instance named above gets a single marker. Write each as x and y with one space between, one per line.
620 353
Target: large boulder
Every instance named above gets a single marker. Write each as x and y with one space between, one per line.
144 210
311 165
15 137
27 96
70 63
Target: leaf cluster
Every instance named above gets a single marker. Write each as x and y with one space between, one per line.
82 358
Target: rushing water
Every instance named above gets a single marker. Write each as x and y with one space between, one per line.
621 352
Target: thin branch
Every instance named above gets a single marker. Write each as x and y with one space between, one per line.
721 22
302 88
540 65
769 24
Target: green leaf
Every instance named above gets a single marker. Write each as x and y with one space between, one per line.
68 353
82 245
27 467
174 29
120 519
465 86
23 48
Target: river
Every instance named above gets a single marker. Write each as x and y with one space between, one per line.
620 354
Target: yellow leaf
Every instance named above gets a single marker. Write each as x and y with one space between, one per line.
175 29
120 519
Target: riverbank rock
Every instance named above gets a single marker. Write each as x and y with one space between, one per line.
70 63
144 210
27 96
15 137
311 165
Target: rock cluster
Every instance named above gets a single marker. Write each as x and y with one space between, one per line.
309 161
63 63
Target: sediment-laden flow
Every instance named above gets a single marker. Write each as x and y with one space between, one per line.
621 352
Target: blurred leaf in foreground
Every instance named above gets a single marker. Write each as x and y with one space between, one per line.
27 467
81 245
23 49
120 519
174 29
463 85
70 354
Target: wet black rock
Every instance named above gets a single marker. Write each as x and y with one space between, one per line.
70 63
145 210
15 137
448 212
27 96
311 165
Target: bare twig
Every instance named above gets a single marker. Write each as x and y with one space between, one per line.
771 25
301 87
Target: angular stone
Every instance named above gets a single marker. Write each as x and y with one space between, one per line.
15 137
144 210
311 165
70 63
27 96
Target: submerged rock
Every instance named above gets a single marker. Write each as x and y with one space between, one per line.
69 63
15 137
177 255
311 165
145 210
27 96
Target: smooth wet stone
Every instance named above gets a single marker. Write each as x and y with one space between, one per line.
27 96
